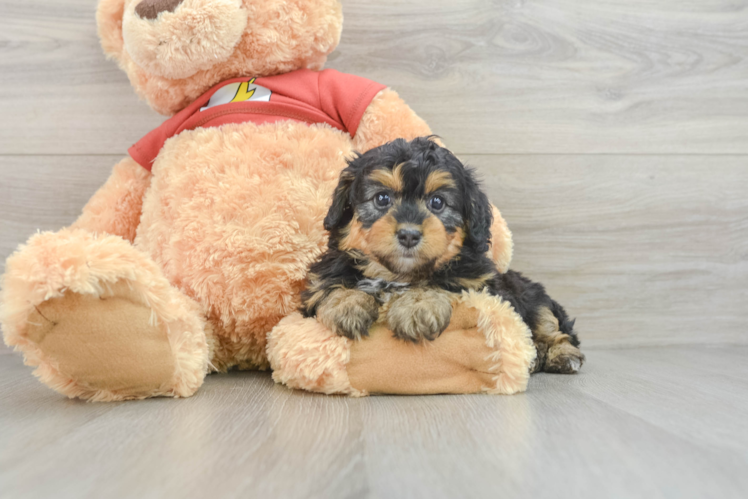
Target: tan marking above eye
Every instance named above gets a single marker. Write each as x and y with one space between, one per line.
389 179
439 179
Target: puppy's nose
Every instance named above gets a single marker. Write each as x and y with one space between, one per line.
150 9
409 237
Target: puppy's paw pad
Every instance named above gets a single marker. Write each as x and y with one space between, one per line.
419 315
349 313
355 324
564 358
422 325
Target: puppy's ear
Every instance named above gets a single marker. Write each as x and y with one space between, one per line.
341 211
479 214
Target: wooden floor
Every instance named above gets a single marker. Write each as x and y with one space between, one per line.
655 422
612 134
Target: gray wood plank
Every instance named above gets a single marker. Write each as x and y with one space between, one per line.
642 249
59 93
569 76
45 193
241 436
502 76
700 394
605 432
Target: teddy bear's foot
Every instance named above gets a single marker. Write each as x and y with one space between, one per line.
104 342
99 320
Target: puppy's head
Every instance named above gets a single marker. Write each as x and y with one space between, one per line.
409 206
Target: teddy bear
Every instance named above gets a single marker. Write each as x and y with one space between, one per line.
191 257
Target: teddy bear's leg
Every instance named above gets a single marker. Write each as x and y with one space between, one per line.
502 246
99 320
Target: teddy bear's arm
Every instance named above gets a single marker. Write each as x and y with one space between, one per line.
115 207
388 118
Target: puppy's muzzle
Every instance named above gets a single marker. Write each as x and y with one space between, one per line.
409 237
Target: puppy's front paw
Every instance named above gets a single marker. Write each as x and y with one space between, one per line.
419 314
349 313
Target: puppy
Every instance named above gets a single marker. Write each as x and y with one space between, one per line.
409 227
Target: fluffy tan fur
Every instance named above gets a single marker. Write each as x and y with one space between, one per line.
239 236
502 245
385 121
511 339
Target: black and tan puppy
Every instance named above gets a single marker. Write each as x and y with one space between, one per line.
409 227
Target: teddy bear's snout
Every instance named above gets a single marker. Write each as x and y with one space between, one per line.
150 9
177 38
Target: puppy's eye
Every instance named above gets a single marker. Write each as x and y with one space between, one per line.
382 200
436 204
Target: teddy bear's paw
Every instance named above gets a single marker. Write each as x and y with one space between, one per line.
99 320
419 314
349 313
564 358
105 344
162 36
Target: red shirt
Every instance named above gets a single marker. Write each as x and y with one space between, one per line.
328 96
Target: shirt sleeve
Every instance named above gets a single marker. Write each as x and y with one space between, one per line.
345 97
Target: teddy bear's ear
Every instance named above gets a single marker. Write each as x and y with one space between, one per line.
109 16
502 245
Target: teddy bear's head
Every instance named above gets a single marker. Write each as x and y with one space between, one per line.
175 50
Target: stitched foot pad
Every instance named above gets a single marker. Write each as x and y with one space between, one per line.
104 343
